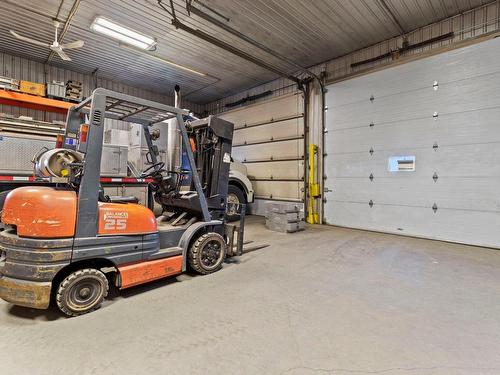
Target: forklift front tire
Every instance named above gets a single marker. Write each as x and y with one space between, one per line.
82 291
207 253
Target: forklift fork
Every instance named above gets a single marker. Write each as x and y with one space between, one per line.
239 229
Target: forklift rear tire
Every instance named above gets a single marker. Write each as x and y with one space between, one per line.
207 253
82 292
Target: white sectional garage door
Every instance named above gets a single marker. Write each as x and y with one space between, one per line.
269 140
439 116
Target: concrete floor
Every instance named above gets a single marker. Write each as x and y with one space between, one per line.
324 301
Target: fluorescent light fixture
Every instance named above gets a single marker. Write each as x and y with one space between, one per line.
125 35
166 61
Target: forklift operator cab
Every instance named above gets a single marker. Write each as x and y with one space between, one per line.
68 243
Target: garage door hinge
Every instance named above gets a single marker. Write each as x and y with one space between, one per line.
435 86
435 177
327 190
372 124
372 98
434 207
435 146
371 151
371 177
435 115
370 203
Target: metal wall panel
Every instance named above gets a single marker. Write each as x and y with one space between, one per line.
277 125
444 111
22 149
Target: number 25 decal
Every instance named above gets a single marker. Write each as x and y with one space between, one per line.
112 223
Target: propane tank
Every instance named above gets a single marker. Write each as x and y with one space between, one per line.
55 162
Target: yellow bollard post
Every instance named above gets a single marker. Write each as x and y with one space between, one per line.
313 186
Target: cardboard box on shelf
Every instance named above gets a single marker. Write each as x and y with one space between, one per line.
32 88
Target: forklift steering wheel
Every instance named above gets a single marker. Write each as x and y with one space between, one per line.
157 167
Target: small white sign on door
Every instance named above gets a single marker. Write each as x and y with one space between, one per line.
401 163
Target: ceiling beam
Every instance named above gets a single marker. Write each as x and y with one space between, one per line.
383 5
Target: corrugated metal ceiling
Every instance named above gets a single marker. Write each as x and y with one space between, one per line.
308 32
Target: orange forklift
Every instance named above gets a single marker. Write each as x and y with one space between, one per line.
70 242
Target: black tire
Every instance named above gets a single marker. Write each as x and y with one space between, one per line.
82 292
234 195
207 253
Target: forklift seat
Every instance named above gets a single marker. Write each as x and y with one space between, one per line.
116 198
119 199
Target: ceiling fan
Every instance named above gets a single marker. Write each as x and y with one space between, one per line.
55 46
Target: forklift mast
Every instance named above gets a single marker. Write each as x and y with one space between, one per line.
212 150
210 141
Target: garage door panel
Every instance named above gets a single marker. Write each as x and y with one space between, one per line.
294 148
281 129
451 66
404 135
265 111
287 169
449 225
473 161
457 128
278 189
362 165
456 193
474 94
